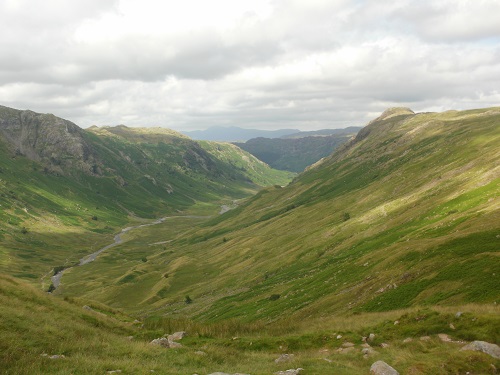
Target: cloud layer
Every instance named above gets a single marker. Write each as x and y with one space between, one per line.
265 64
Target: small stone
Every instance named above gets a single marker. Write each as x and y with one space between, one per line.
347 344
396 322
367 351
290 372
382 368
199 352
452 326
371 337
384 345
363 338
284 358
458 314
444 337
425 338
86 307
57 356
328 360
113 371
177 336
162 341
407 340
339 337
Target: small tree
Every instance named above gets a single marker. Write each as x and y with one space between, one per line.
188 300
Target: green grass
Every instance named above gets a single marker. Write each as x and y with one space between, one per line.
102 339
422 202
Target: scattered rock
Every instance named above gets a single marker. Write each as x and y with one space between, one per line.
444 337
290 372
371 337
57 356
407 340
458 314
347 344
367 351
284 358
176 336
199 352
485 347
452 326
425 338
86 307
396 322
166 343
382 368
345 350
384 345
363 338
339 337
366 345
54 356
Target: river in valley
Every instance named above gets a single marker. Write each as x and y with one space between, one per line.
56 279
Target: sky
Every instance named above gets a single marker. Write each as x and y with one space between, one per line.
264 64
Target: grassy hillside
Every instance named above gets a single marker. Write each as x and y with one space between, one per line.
294 154
243 161
65 192
90 338
404 215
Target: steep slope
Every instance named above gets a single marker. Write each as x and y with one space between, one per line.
294 154
64 191
406 214
258 171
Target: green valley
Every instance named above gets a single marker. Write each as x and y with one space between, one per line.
396 233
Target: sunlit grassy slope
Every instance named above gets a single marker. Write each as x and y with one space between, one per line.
405 215
95 339
57 205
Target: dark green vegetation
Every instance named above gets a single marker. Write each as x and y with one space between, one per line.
64 191
295 153
401 223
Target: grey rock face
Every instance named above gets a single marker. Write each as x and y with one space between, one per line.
59 144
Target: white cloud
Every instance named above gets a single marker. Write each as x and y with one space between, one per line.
265 63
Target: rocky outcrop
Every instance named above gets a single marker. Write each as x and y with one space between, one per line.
56 143
382 368
485 347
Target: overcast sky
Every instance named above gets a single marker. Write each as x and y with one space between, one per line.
268 64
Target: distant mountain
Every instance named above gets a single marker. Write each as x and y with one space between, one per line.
235 134
297 151
323 132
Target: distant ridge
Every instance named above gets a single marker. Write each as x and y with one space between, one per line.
235 134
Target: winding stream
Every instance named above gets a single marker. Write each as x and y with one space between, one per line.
56 279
